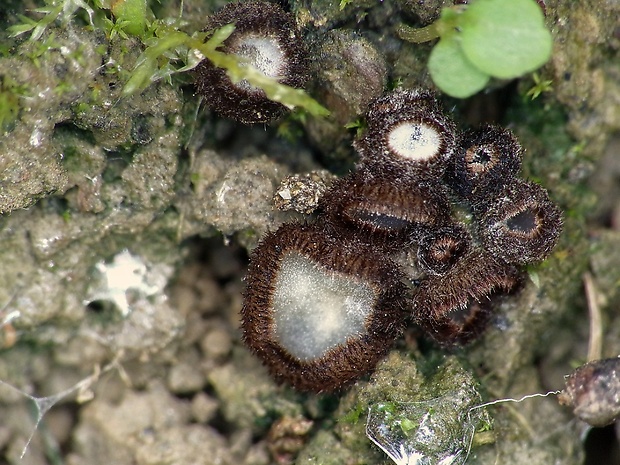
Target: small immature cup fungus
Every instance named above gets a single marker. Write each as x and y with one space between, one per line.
521 224
319 312
267 38
439 249
408 131
486 159
455 307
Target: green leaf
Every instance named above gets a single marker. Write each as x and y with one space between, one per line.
26 25
146 68
407 425
132 13
418 35
50 16
452 72
344 3
505 38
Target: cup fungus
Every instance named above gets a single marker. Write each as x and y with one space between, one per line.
439 250
388 209
325 301
455 307
485 160
407 130
268 39
521 224
319 312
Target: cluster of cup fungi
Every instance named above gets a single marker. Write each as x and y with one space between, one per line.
326 298
433 226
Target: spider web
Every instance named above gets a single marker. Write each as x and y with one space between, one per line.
44 404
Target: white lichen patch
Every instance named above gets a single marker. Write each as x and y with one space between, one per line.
264 54
414 141
125 273
316 310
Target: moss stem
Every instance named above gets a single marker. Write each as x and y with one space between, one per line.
418 35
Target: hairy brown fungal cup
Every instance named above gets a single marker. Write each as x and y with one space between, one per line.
382 209
454 308
408 131
267 37
486 160
440 249
520 225
319 312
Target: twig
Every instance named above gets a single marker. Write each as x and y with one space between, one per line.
595 341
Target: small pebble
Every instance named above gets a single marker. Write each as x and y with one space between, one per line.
184 378
217 343
204 407
301 193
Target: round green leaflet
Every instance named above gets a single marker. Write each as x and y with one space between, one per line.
505 38
452 72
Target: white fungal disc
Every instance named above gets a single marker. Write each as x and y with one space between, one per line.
318 312
407 132
414 141
264 54
315 310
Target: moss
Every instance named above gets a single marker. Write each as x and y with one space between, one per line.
11 94
326 14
